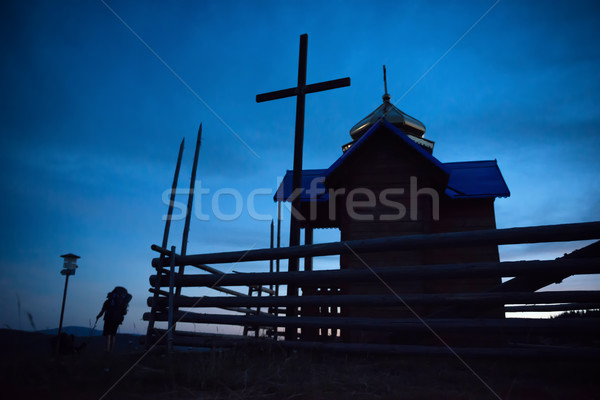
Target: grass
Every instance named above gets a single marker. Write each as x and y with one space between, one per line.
270 372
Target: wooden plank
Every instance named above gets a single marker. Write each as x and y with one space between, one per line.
553 307
470 352
244 310
535 234
529 283
277 94
439 271
500 325
388 299
327 85
158 291
228 291
520 284
215 272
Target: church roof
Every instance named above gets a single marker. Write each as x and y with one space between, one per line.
475 179
384 124
308 176
468 180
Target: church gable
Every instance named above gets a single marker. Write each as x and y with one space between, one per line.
389 153
386 181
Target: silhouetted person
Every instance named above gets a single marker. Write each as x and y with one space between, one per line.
114 310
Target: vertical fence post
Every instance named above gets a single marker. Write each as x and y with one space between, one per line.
278 242
150 330
171 302
271 245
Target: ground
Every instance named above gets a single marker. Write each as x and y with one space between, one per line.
29 370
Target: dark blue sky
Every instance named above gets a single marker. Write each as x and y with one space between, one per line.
91 121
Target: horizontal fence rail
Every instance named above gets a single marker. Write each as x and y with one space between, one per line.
184 338
383 300
553 307
438 271
587 325
536 234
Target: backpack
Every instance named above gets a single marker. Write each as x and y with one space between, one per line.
117 303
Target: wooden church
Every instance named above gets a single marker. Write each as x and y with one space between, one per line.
385 193
387 182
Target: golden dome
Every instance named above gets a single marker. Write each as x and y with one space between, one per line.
391 114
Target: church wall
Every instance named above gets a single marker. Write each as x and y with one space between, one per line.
457 216
380 166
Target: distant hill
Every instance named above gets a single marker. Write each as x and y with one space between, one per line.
24 343
78 331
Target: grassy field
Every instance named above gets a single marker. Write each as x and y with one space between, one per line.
273 373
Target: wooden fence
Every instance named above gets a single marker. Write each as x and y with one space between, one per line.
266 313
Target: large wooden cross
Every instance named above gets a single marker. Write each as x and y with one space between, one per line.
300 92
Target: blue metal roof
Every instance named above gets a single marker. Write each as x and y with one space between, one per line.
475 179
316 177
468 179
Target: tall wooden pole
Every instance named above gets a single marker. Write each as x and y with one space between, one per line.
308 240
277 267
171 302
172 197
165 238
298 150
271 245
188 214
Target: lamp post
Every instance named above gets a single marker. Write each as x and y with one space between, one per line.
69 266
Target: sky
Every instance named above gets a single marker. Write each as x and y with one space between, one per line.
96 97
